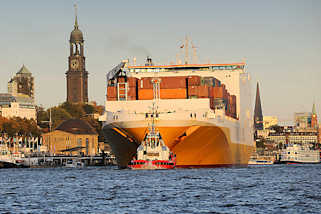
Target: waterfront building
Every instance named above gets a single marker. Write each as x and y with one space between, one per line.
77 76
269 121
258 116
20 99
9 107
72 137
293 137
302 120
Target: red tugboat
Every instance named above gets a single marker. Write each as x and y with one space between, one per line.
152 152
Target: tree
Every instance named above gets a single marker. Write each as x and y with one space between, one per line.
58 115
277 128
75 110
89 109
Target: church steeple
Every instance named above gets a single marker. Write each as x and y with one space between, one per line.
314 119
314 112
77 76
258 116
76 18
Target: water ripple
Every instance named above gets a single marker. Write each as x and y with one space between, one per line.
269 189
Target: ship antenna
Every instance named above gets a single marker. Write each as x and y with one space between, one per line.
195 59
186 50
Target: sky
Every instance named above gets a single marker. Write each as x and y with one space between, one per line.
279 40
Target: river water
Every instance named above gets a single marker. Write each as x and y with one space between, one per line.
257 189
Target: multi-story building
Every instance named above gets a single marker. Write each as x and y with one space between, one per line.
269 121
73 137
21 86
20 99
9 107
293 137
302 120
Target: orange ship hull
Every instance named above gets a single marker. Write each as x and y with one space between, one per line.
194 146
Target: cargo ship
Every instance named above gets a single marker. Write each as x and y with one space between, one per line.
204 111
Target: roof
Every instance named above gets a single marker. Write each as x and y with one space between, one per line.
77 126
187 65
24 70
76 36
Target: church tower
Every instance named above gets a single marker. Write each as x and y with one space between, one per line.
314 118
77 76
258 116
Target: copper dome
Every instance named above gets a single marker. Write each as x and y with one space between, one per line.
76 36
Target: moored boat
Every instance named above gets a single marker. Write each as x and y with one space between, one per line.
302 154
74 163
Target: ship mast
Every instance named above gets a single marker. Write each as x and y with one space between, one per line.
156 96
186 50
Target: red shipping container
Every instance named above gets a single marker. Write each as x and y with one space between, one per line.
203 91
233 99
131 92
194 80
132 81
192 90
111 98
218 92
173 82
145 83
111 91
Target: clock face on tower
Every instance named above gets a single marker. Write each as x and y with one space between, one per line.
74 64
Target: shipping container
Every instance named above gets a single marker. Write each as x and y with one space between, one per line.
111 98
193 80
203 91
145 94
145 83
132 81
207 81
131 92
218 92
111 91
193 91
175 93
172 82
216 82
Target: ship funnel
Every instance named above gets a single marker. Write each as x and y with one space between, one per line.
149 61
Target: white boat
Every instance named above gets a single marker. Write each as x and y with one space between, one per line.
300 154
6 156
261 160
74 163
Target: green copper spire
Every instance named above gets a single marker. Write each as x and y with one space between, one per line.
76 20
314 112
